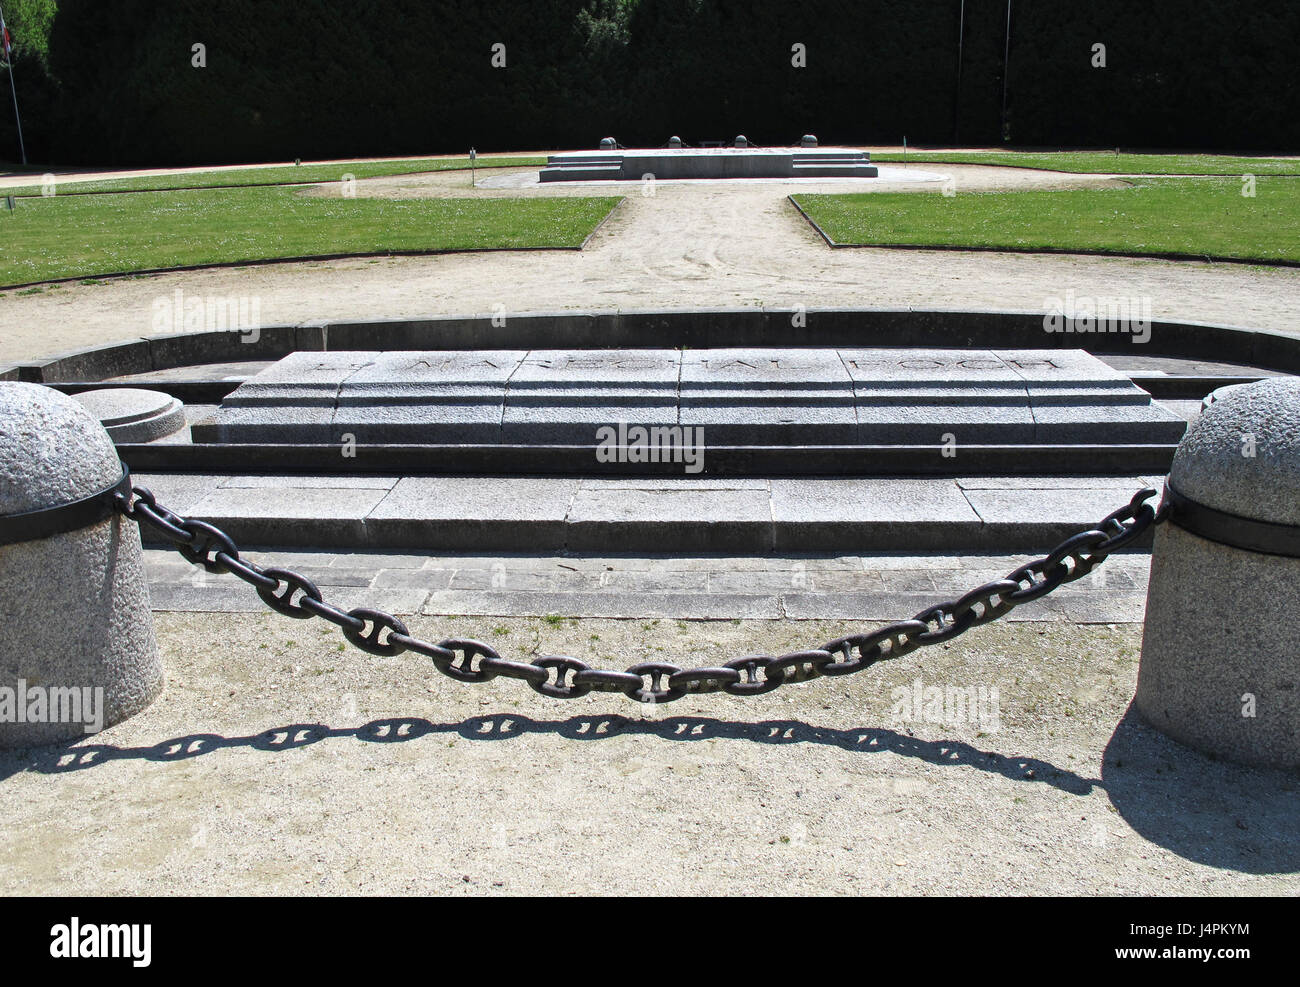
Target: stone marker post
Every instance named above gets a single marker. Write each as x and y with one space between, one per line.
77 648
1221 649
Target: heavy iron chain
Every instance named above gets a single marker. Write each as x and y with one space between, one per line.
563 677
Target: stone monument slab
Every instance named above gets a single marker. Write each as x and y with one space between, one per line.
738 161
434 396
752 397
563 396
802 396
292 401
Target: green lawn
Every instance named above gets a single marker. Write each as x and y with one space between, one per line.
292 174
1106 162
1192 217
89 235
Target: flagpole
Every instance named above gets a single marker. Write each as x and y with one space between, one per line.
13 91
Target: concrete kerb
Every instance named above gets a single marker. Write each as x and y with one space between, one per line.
691 328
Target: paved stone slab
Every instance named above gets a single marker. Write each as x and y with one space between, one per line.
415 578
1120 483
468 512
886 607
399 601
221 596
1083 505
812 515
675 483
879 587
179 491
703 520
791 581
374 561
291 516
687 606
296 482
687 515
185 597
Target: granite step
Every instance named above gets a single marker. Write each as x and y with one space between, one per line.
744 516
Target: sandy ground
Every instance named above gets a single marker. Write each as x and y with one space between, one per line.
688 245
276 762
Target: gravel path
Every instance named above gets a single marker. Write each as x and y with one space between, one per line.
689 245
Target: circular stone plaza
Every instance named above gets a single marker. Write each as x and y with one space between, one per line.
754 401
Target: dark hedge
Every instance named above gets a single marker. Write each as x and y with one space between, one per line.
111 81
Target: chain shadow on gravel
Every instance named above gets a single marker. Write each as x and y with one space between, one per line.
71 756
1210 812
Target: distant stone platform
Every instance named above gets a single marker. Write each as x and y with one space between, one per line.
760 398
720 162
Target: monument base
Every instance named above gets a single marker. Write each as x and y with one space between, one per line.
789 410
720 162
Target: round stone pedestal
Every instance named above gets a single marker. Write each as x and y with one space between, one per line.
1221 647
132 414
77 648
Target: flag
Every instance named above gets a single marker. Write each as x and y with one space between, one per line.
6 42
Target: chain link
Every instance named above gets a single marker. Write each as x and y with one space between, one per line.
563 677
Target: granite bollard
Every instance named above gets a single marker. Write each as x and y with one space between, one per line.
77 647
1220 668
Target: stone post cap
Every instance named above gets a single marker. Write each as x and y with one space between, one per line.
52 450
1242 455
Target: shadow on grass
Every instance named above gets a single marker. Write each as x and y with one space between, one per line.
1210 812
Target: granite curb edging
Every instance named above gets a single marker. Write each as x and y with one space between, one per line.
691 328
